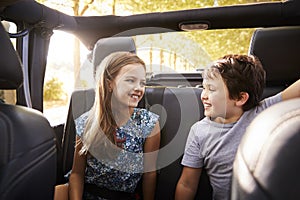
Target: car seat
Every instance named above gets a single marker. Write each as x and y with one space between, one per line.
278 49
179 109
27 141
267 162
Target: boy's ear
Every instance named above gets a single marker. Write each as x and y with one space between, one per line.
244 96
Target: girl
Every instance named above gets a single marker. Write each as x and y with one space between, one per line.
116 142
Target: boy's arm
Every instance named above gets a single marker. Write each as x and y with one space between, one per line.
188 183
293 91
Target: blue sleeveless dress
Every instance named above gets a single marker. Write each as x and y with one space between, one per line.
126 171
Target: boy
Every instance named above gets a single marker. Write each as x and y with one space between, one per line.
232 88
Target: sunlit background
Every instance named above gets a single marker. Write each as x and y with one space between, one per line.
68 67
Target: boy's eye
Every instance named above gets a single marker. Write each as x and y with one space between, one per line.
209 88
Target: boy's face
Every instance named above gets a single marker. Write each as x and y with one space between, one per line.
217 104
129 86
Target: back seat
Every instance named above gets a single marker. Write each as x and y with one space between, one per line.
179 109
277 48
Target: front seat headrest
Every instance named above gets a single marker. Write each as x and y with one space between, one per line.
11 74
106 46
267 162
278 50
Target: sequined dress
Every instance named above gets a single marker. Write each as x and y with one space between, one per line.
124 173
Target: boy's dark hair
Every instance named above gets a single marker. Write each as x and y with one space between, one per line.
242 73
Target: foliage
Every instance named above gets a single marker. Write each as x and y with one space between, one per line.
214 43
53 90
146 6
220 42
217 42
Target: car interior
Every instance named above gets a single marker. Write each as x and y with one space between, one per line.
35 154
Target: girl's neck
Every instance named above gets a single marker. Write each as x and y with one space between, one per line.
122 115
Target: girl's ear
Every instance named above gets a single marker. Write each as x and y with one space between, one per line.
244 96
109 85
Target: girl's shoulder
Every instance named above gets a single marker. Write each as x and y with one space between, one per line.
144 120
145 115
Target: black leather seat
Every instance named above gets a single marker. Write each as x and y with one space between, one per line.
27 141
267 162
278 49
179 109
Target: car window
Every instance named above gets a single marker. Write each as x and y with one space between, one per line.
60 75
173 52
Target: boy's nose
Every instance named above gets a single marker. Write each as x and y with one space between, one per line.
204 95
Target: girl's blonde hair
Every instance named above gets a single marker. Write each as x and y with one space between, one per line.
101 125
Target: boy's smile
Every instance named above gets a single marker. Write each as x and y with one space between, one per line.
217 104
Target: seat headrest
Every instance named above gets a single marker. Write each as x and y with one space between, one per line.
106 46
278 49
11 74
267 163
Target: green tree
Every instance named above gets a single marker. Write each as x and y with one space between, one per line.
53 90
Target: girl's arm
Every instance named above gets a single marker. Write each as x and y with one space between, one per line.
151 148
76 182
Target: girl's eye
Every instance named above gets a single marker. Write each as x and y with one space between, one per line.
143 84
130 80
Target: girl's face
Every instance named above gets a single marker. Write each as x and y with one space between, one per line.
217 104
129 86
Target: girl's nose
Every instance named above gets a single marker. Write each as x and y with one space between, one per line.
137 87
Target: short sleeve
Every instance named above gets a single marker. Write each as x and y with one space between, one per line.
145 121
80 124
267 102
192 152
153 119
